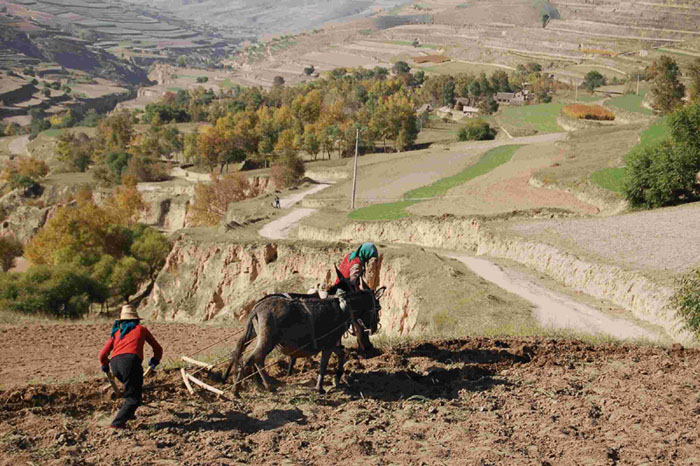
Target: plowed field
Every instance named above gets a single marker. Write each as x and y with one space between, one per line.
474 401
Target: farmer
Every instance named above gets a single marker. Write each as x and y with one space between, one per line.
126 345
354 264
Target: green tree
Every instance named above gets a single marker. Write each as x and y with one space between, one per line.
75 150
151 248
400 67
127 277
666 89
593 80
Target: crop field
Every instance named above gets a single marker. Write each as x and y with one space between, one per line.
395 210
456 67
631 103
530 119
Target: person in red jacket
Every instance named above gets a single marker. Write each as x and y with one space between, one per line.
353 265
126 345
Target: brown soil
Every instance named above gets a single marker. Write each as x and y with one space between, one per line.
473 401
51 353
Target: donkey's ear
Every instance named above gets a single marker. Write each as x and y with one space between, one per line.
339 273
380 292
364 285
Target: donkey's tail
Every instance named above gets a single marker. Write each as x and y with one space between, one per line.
240 346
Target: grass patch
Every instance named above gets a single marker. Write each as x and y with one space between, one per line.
53 132
631 103
541 118
611 179
396 210
174 89
655 133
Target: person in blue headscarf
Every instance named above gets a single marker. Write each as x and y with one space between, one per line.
354 264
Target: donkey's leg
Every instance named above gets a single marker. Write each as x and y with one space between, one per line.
340 353
325 356
265 345
290 368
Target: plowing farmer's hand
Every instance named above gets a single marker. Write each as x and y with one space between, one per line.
105 368
153 363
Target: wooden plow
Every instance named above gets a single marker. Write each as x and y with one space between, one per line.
189 379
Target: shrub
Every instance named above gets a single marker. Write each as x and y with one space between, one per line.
288 172
662 174
24 172
212 199
588 112
202 79
63 291
687 300
476 130
10 248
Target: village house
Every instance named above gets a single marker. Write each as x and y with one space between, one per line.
466 105
514 98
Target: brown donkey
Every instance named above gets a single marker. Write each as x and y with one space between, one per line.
301 326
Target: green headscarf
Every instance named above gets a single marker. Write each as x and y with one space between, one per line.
365 252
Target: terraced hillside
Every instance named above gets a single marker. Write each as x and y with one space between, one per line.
257 17
137 34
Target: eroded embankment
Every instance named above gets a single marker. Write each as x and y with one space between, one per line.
203 281
647 300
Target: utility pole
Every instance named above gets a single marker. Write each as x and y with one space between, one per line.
637 83
354 171
576 92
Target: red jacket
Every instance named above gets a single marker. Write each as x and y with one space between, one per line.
352 269
132 343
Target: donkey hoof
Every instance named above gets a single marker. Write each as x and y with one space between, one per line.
321 391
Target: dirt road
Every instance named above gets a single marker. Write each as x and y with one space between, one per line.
461 402
553 310
280 228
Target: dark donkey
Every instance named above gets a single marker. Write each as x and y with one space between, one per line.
303 325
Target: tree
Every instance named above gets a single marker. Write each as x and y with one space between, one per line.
289 171
400 67
687 300
212 199
309 70
182 61
593 80
448 93
151 248
75 150
127 276
476 130
278 81
666 173
666 89
10 249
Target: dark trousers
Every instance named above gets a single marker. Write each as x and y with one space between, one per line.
127 369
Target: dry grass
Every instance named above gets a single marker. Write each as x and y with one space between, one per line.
588 112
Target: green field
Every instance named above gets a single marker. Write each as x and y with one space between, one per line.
540 118
613 178
53 132
631 103
395 210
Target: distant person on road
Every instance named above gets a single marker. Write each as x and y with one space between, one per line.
277 202
354 264
126 345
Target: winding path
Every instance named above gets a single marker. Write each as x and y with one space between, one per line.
280 228
554 310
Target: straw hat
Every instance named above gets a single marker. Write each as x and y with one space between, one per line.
128 313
